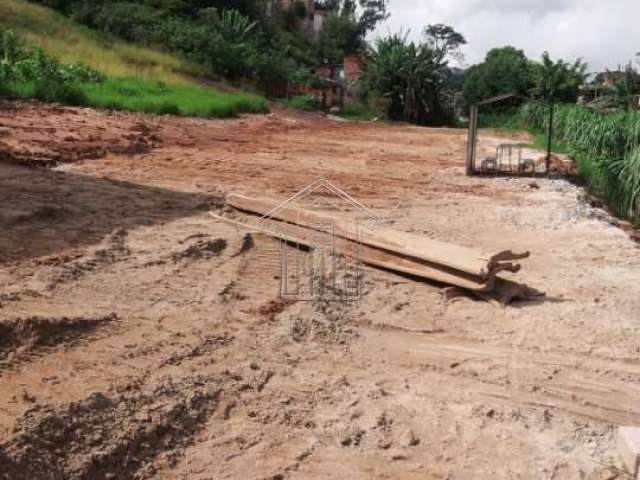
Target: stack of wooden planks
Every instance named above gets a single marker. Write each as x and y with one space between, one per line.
441 262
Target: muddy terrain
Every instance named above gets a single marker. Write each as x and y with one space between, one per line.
141 338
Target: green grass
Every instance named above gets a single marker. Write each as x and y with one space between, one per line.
541 142
511 123
70 42
359 112
307 103
507 122
158 98
138 78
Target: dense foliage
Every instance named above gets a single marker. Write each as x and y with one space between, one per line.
505 70
31 73
607 148
508 70
557 81
50 80
234 39
344 33
414 77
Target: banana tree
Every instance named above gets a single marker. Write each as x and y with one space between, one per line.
409 75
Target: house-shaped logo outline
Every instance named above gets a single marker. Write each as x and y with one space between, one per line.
365 216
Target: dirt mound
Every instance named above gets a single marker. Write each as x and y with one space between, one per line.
206 346
109 436
560 164
330 324
81 135
22 335
202 249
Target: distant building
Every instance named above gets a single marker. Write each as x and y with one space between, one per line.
339 78
608 79
311 14
597 85
340 82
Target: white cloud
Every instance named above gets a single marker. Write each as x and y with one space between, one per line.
605 33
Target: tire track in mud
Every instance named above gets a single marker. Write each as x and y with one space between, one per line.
114 249
576 384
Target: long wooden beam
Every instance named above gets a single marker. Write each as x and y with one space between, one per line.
372 256
444 254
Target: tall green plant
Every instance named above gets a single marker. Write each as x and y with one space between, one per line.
607 148
624 184
411 76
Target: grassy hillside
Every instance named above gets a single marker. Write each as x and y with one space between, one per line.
138 78
70 42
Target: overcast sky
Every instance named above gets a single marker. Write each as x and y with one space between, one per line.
604 32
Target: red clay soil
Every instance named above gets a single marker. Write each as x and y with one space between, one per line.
143 339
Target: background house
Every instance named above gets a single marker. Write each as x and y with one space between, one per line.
338 79
311 15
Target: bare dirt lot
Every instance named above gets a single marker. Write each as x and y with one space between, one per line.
139 338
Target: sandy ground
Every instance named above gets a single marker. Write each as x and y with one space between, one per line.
139 338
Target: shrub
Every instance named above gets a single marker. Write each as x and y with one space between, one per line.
80 72
47 90
272 69
361 112
33 73
223 42
131 21
304 102
3 80
11 47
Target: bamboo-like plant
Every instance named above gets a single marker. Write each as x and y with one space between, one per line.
607 148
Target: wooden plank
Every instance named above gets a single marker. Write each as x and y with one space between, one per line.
440 253
373 256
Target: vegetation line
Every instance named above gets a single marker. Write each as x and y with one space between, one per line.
606 148
31 73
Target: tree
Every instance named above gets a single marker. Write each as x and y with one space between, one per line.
340 35
251 8
558 81
345 31
505 70
410 76
445 40
373 12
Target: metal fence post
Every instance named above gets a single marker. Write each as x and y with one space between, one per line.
471 141
550 140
